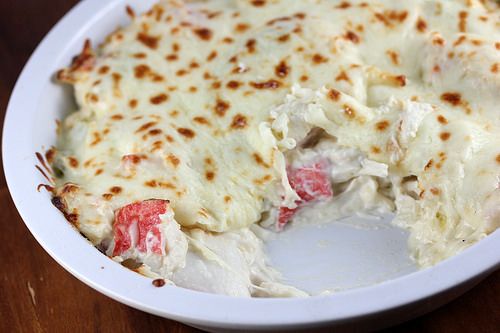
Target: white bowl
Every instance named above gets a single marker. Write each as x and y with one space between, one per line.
30 127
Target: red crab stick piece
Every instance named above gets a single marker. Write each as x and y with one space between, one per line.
137 225
311 183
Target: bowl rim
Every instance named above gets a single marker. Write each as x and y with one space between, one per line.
97 271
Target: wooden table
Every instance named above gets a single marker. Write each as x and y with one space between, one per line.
38 295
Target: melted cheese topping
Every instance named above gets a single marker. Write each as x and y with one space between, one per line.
197 102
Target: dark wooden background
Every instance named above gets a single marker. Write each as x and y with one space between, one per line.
37 295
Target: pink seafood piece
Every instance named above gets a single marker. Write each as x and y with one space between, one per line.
137 224
311 183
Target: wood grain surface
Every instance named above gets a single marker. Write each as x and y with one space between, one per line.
38 295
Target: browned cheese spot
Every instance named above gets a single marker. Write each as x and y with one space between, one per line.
278 19
103 70
334 95
209 161
283 38
84 61
181 72
233 59
93 97
172 57
435 191
258 3
400 80
494 68
282 70
270 84
460 40
73 162
146 126
216 84
421 25
212 56
375 150
462 21
498 158
382 125
444 136
155 131
452 98
442 119
132 158
158 99
97 138
227 198
250 45
140 71
203 33
349 35
132 103
201 120
209 175
343 5
383 19
59 204
429 164
343 77
394 56
186 132
394 15
115 189
233 84
139 55
241 27
438 40
148 40
174 160
304 78
116 83
70 188
156 145
50 154
239 122
260 161
263 180
319 59
221 107
117 117
193 89
349 111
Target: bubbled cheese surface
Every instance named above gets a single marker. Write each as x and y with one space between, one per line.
177 106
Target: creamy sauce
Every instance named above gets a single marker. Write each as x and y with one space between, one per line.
205 104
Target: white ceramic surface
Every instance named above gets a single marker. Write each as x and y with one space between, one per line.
339 256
